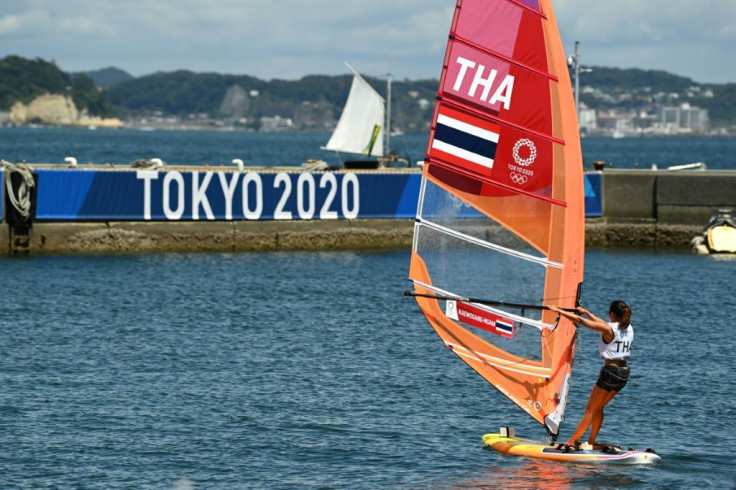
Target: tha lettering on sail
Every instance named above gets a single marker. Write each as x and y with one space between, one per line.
484 86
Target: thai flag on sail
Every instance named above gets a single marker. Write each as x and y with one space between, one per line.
465 140
504 327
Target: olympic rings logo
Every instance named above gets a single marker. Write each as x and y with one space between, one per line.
525 162
518 179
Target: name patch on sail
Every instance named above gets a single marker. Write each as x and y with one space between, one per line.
478 318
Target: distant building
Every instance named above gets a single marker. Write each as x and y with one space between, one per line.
587 118
276 123
683 119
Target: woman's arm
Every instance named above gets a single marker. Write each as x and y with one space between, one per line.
590 315
593 323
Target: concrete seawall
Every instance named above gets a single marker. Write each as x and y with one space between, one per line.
103 238
669 198
640 209
126 237
659 208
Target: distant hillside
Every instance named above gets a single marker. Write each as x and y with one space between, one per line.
315 101
178 93
631 79
108 77
22 80
635 88
722 107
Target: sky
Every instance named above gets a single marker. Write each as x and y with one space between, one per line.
288 39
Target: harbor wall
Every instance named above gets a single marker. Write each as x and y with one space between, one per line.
122 210
116 209
659 207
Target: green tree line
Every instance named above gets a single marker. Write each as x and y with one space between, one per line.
22 80
313 100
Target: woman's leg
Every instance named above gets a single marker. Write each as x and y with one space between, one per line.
595 403
597 421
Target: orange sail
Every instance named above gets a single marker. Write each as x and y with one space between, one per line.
501 207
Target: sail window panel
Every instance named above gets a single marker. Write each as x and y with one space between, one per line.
449 211
468 270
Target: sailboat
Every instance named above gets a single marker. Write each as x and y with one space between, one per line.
499 231
364 127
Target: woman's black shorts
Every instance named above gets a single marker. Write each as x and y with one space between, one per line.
613 378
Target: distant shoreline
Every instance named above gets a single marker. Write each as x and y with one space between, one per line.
228 129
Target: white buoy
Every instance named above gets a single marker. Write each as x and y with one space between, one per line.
239 163
71 161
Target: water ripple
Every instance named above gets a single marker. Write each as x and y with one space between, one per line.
312 370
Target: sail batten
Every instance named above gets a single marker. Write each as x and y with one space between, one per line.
491 117
500 211
489 309
498 362
448 166
490 245
500 56
534 10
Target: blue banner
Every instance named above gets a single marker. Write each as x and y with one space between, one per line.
593 195
146 195
149 195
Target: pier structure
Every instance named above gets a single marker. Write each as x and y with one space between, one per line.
59 209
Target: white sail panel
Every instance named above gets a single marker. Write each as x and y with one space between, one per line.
360 128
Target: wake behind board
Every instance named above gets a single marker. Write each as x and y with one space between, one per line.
532 449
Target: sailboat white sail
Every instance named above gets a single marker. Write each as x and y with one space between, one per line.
360 129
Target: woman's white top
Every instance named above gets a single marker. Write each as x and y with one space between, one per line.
620 347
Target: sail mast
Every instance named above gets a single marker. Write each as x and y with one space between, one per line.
387 126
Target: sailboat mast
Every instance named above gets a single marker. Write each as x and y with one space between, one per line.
387 145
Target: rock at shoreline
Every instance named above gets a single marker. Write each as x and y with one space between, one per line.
57 109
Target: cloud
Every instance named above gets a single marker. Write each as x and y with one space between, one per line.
293 38
682 37
42 23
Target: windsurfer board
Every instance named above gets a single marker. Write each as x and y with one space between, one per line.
600 454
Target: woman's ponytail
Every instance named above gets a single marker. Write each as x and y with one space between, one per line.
622 312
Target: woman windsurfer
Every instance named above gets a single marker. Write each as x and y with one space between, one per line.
615 348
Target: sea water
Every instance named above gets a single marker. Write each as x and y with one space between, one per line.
304 370
124 146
